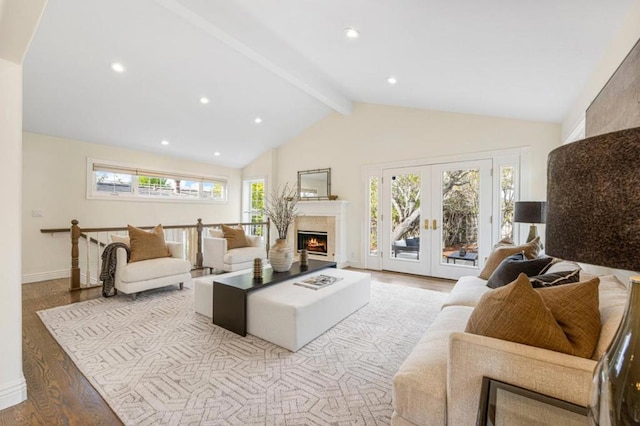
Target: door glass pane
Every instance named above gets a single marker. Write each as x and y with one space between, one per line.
507 200
257 203
113 182
405 217
373 215
460 211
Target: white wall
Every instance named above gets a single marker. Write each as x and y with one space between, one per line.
54 174
12 385
18 22
625 39
375 134
264 167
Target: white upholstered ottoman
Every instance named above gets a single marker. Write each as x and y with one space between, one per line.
291 316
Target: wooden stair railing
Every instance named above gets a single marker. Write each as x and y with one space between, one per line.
77 233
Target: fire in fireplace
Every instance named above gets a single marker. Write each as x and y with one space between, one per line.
315 242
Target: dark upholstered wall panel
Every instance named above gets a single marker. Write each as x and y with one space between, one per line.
617 106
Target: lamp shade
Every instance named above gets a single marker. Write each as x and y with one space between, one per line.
530 212
593 201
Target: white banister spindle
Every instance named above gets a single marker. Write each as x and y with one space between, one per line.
87 273
99 250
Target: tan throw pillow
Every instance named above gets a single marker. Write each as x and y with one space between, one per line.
563 319
235 237
147 245
501 252
506 241
517 313
576 308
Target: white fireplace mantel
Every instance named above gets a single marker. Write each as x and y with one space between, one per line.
322 208
336 209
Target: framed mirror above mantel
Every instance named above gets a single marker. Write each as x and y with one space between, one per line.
315 185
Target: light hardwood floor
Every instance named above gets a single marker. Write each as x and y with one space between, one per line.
58 394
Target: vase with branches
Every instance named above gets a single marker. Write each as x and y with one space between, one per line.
280 208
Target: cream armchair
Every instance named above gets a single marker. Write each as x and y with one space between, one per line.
134 277
216 255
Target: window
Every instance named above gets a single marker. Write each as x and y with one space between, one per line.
373 215
253 202
107 180
507 199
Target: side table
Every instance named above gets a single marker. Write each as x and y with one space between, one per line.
505 404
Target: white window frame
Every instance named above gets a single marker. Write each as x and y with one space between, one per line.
138 170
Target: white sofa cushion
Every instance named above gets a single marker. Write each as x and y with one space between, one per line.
613 298
466 292
154 268
115 238
420 386
244 254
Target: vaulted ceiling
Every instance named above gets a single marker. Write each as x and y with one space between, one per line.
289 63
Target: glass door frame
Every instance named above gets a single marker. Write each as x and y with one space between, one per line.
440 268
518 157
390 261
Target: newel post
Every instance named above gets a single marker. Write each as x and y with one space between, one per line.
199 259
74 283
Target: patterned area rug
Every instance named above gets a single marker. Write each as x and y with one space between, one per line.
156 361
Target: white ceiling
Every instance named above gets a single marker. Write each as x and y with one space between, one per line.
289 62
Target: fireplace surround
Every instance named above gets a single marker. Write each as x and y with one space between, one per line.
325 217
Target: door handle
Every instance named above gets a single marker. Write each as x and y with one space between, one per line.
435 224
426 224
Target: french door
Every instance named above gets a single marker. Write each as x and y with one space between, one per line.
436 219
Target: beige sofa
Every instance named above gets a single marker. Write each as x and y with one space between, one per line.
439 383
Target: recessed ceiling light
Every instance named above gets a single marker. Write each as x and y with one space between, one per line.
117 67
392 80
217 154
351 33
258 120
165 143
204 100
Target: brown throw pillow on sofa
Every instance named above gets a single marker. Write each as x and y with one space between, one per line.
500 253
576 308
517 313
147 245
563 319
235 237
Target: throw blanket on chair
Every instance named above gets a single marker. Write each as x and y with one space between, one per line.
108 272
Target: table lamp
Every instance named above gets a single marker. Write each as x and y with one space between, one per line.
593 216
530 212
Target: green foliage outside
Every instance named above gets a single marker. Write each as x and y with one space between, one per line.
152 182
405 206
373 215
460 208
507 200
257 205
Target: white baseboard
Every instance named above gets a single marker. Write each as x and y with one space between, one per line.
356 264
44 276
12 393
